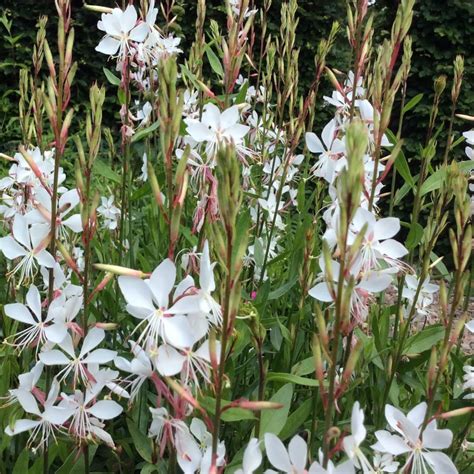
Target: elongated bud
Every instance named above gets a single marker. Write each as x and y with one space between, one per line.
118 270
459 412
254 405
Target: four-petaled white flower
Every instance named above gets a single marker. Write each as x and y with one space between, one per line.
216 127
77 363
421 446
28 243
150 301
121 30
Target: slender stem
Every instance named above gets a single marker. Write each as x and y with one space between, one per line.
224 338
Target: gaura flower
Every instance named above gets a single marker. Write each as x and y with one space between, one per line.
419 446
121 30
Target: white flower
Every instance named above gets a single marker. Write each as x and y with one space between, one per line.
31 315
121 29
270 205
86 412
208 285
377 243
144 176
420 446
425 297
216 127
77 364
49 420
468 381
164 427
384 463
109 212
291 461
252 458
195 450
139 367
190 363
29 243
344 468
26 383
149 301
352 442
329 150
42 211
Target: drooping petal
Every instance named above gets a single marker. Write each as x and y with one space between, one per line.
252 456
392 249
20 231
21 426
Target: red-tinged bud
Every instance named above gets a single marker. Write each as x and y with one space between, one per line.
106 326
108 277
254 405
206 90
183 393
43 244
465 117
118 270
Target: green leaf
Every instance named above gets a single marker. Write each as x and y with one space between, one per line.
424 340
141 441
273 421
111 77
401 163
294 379
144 132
296 419
229 415
413 102
438 177
21 464
414 236
279 292
214 61
103 169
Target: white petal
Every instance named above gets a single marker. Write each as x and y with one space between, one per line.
298 451
440 463
177 331
376 282
94 337
20 231
100 356
391 248
33 300
200 132
105 409
276 453
252 456
108 45
417 414
27 402
139 33
74 223
45 259
436 439
11 248
386 228
162 281
314 143
56 332
136 292
320 292
169 361
21 426
19 312
128 19
53 357
392 444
